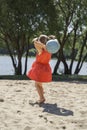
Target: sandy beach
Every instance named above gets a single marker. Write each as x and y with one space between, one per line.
65 107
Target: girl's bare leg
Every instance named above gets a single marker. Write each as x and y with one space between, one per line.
40 91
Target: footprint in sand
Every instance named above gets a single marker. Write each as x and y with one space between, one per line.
1 100
27 128
40 128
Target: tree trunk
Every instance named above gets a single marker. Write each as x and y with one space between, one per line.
10 53
26 57
73 53
66 70
78 68
56 67
18 70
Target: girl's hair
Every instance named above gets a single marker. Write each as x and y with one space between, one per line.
51 37
43 38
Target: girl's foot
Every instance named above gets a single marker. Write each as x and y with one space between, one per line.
41 101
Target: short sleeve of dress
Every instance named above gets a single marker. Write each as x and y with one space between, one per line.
44 57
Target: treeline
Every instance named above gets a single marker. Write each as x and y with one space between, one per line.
22 20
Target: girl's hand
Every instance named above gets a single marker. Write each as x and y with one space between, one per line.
35 39
39 46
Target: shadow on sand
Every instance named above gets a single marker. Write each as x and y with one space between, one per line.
54 109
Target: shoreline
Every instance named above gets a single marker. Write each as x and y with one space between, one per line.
54 77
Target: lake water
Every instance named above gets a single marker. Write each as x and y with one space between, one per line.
6 67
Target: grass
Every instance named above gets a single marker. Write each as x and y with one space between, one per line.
69 78
55 77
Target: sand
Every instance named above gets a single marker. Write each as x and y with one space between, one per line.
65 107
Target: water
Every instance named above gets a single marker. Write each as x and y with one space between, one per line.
6 67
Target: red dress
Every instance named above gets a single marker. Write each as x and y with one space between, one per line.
41 70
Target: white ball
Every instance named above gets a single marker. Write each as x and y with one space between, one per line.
52 46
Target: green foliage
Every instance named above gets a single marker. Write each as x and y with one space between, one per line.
21 20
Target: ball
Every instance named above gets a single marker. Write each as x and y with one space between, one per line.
52 46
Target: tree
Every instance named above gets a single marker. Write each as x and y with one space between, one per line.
19 21
16 28
73 34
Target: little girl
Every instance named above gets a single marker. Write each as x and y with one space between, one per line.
41 70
